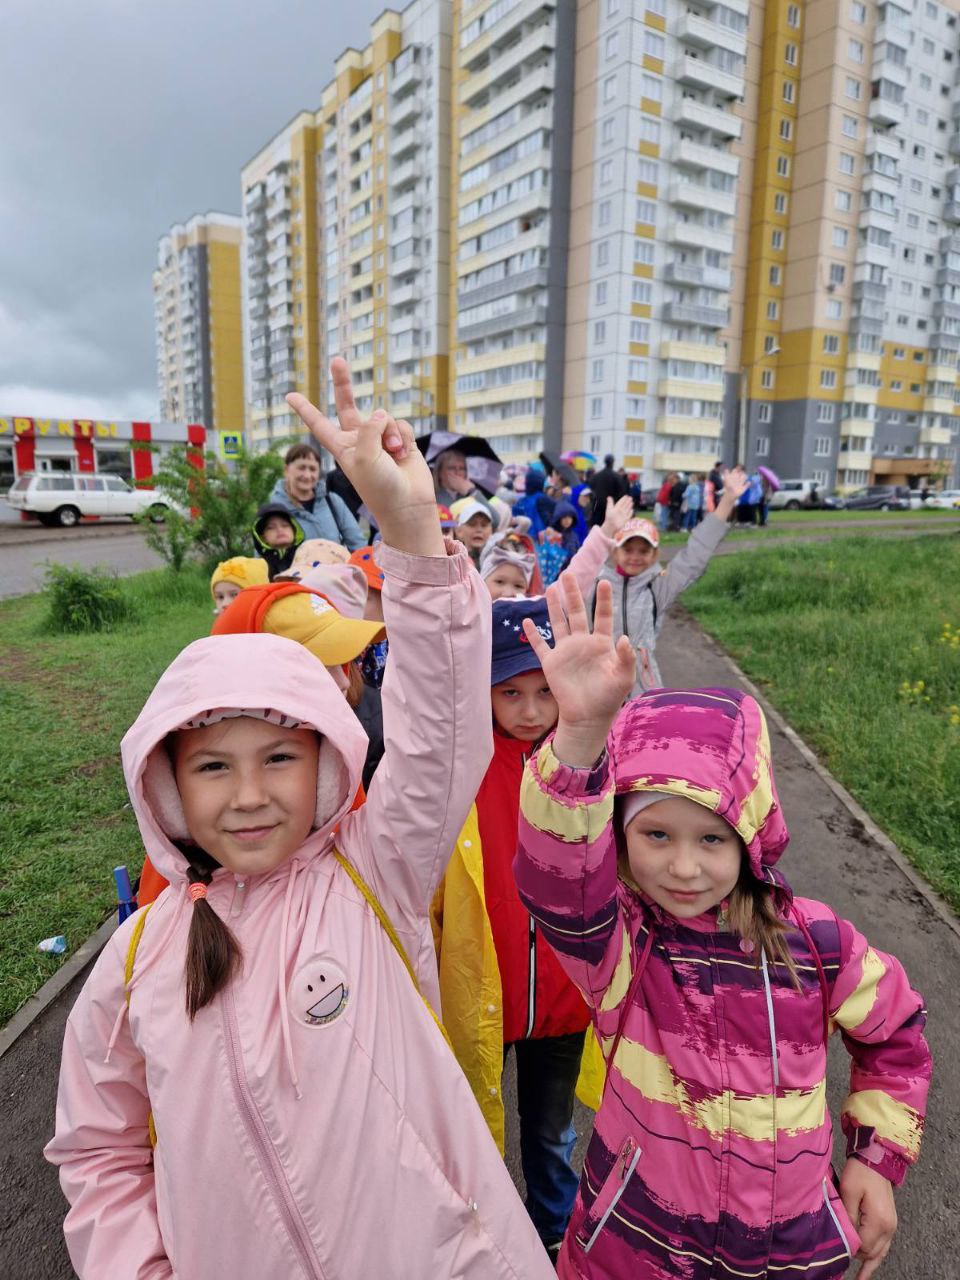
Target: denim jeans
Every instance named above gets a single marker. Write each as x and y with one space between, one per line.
547 1073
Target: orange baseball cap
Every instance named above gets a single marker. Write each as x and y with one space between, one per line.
635 528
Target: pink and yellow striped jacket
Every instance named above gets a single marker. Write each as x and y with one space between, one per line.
711 1150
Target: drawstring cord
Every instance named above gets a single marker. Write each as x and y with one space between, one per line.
770 1018
129 985
282 981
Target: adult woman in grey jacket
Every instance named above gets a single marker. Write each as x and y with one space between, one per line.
643 590
320 514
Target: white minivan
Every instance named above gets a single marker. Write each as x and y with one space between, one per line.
62 497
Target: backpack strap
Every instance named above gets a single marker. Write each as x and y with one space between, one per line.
374 903
135 936
653 601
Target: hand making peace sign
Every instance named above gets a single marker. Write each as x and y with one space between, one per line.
382 462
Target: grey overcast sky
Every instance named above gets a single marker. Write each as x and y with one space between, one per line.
120 118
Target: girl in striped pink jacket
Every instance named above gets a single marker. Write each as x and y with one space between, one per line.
648 859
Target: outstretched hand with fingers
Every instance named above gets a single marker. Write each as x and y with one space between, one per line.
618 513
380 459
588 674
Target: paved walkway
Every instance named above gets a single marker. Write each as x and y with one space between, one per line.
831 856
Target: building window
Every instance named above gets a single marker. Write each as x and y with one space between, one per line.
643 251
855 51
783 166
843 201
852 88
848 126
776 239
840 237
639 331
793 16
847 162
858 13
765 411
606 172
788 90
763 446
610 88
786 129
613 39
600 293
598 370
772 308
790 55
828 379
822 447
651 87
596 407
603 213
831 344
834 309
654 45
780 202
606 131
766 379
641 291
646 212
769 344
636 370
603 253
825 411
775 275
600 332
838 273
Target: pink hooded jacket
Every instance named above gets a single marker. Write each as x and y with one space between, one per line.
299 1135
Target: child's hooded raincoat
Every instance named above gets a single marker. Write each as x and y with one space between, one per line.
711 1151
311 1121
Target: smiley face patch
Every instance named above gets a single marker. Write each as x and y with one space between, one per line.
319 992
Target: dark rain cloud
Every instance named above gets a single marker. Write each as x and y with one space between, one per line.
119 118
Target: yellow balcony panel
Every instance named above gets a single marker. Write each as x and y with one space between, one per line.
363 388
864 360
855 460
529 424
636 388
935 435
496 395
684 461
498 359
362 309
360 282
675 350
690 390
862 395
675 424
938 404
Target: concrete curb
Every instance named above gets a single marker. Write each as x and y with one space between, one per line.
58 535
41 1001
941 908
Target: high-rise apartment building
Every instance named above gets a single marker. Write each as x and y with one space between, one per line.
673 230
197 321
851 317
513 63
383 213
280 280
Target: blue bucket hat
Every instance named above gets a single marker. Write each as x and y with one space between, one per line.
512 652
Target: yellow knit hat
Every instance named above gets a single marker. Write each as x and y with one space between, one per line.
242 571
313 622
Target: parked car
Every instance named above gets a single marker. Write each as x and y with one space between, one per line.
944 499
878 497
794 494
61 497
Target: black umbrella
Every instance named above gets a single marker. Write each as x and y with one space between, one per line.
553 462
483 464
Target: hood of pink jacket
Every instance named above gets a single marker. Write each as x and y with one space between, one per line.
218 672
711 746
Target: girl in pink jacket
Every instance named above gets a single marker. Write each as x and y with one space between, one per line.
649 846
259 1090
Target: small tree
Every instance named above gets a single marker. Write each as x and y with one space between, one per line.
224 500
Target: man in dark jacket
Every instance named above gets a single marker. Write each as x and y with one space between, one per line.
607 483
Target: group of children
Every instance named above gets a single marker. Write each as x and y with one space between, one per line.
290 1062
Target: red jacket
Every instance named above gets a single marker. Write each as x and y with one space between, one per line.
539 1000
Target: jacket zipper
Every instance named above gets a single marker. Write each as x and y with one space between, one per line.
239 897
627 1161
268 1159
836 1221
623 608
532 979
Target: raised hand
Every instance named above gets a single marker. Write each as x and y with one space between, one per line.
617 515
735 484
382 462
588 674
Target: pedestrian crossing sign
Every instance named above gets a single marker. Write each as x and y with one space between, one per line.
229 444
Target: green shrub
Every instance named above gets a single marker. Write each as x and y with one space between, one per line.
82 600
172 538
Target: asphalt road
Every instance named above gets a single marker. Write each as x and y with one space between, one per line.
831 856
25 553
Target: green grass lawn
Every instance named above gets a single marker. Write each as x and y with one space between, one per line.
812 517
857 643
65 703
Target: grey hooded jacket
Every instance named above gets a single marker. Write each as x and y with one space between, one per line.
330 518
640 602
